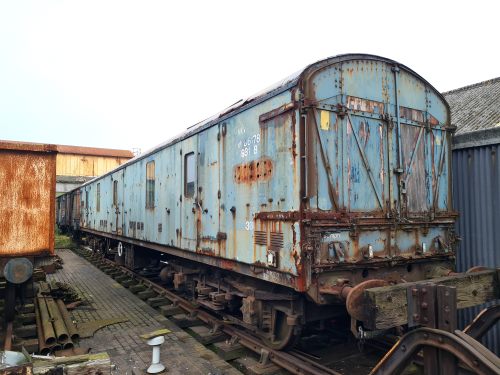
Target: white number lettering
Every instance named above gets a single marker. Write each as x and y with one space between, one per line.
244 152
245 145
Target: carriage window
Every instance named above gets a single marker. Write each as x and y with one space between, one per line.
78 205
98 203
150 184
189 174
87 200
115 192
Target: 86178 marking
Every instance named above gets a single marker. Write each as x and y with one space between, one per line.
249 146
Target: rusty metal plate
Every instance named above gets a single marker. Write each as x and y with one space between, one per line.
18 270
27 200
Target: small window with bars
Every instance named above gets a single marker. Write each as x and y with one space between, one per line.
189 175
150 184
98 200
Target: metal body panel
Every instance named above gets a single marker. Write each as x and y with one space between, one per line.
476 187
219 219
27 201
380 139
207 207
259 174
189 205
336 168
117 202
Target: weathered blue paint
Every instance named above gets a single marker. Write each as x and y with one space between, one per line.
378 193
364 153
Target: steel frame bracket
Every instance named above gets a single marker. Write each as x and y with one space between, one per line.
483 322
434 306
471 354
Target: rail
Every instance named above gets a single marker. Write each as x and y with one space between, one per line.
292 363
432 306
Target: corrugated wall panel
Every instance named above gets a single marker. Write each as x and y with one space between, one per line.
476 182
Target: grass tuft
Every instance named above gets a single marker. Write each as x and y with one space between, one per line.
63 241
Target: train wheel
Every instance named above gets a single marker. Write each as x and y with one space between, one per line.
282 335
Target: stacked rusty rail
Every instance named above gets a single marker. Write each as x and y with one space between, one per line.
55 328
7 343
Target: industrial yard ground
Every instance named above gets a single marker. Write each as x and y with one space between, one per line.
106 299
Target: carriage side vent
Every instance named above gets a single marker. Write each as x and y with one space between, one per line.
276 241
260 238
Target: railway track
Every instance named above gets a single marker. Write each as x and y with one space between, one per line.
296 361
319 351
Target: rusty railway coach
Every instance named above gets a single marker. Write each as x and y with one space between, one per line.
27 209
288 206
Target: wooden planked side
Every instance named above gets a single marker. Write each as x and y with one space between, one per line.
388 305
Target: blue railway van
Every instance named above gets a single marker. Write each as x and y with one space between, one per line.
285 207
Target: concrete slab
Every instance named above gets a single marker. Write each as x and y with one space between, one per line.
185 321
158 301
206 336
148 293
229 351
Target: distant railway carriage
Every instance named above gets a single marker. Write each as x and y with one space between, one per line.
286 206
27 210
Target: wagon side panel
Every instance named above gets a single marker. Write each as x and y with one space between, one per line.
27 203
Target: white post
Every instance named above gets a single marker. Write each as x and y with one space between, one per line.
156 367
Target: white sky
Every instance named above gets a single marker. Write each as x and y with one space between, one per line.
125 74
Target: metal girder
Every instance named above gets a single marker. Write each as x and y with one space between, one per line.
483 322
443 347
475 357
434 306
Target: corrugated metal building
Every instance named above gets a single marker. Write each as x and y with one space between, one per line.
76 165
475 110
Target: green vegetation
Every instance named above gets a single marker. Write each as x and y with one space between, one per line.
63 241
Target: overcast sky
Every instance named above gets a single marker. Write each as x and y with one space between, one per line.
127 74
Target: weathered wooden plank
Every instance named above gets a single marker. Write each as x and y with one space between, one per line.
387 306
88 364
